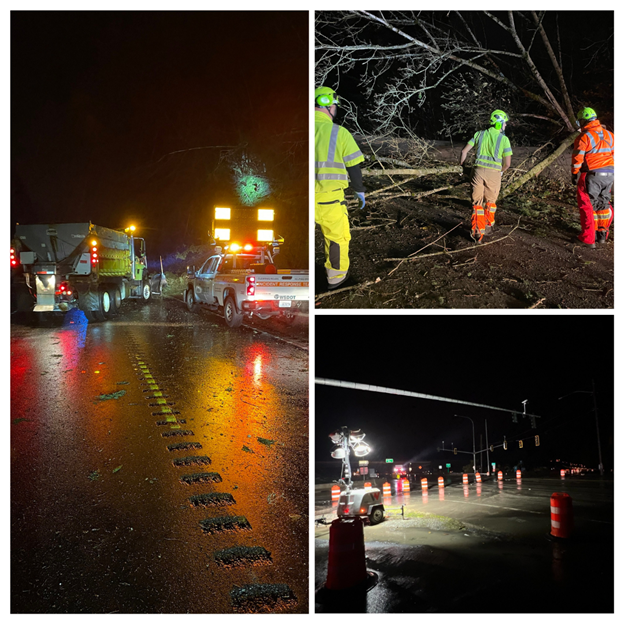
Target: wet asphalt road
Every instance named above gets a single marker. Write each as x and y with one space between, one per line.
102 518
494 556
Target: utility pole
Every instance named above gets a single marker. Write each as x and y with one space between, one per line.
487 449
597 429
474 452
480 453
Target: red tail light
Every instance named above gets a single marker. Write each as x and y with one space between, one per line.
94 255
251 285
346 510
13 258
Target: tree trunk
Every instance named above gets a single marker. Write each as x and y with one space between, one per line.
540 165
413 172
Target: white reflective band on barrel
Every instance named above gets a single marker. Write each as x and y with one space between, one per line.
555 524
554 510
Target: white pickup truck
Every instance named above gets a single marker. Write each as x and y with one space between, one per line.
247 284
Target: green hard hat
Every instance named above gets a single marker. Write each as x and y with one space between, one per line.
325 96
498 117
587 114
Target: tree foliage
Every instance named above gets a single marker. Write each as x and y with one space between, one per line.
441 73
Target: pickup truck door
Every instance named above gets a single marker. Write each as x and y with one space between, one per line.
204 282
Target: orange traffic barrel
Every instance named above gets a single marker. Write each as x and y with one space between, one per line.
465 479
406 486
440 482
387 491
424 485
562 473
518 474
335 492
346 566
500 475
368 485
561 515
478 477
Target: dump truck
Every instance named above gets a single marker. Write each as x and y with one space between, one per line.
240 278
82 265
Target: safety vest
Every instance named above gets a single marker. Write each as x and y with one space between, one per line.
492 145
335 149
593 149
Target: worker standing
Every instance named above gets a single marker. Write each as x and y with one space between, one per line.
492 160
593 174
337 159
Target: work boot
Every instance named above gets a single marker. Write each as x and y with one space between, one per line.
601 236
590 245
341 284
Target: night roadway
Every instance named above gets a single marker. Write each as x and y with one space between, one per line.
156 466
481 549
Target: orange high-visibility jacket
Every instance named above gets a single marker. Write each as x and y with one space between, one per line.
593 148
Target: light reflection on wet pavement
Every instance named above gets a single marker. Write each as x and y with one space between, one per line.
101 519
481 549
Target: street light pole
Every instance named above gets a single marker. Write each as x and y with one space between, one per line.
593 393
474 453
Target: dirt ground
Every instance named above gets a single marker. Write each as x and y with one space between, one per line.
532 258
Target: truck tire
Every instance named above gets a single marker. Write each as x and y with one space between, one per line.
146 291
105 309
376 515
191 302
233 317
115 299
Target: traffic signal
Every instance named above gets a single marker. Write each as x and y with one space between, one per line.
491 448
454 451
520 443
536 440
505 445
514 417
533 423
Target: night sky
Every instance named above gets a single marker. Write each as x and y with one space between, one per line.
114 116
497 360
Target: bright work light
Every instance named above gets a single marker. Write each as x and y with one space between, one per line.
266 214
222 234
265 235
223 213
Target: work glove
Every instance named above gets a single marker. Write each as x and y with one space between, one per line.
575 178
465 171
361 200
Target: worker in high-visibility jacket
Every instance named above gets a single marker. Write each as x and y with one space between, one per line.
492 160
337 159
593 174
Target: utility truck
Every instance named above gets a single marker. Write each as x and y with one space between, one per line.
240 278
81 265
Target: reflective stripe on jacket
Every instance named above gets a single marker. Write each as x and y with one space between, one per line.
492 145
593 149
335 149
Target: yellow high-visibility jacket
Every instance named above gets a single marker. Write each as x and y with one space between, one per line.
492 145
335 149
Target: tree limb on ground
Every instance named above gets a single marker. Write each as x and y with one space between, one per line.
443 253
413 172
409 259
540 166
